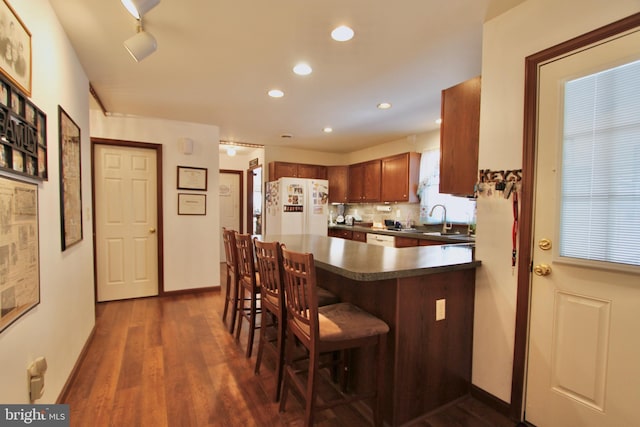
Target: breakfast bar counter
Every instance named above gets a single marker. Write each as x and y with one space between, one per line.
426 296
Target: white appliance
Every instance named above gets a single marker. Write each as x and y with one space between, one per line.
297 206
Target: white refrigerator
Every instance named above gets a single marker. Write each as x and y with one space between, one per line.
297 206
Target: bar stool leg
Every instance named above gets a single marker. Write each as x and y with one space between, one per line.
252 323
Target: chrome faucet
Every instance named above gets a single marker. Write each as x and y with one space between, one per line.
445 227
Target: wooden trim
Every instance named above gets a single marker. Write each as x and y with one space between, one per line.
491 401
66 389
159 204
250 176
191 291
240 174
528 186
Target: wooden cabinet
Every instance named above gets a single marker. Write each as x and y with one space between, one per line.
359 236
425 242
459 137
399 178
339 232
338 177
405 242
296 170
364 181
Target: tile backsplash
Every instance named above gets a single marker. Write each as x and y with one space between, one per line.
369 212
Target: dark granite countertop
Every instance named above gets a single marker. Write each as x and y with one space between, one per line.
363 262
410 233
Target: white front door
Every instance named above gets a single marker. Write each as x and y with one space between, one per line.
584 350
230 197
126 222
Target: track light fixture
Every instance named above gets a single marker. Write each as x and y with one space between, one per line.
141 45
138 8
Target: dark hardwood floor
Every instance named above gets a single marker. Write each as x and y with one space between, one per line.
171 362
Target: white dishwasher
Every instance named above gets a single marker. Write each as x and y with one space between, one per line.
381 240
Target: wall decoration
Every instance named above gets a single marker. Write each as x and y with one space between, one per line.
192 178
23 133
19 252
70 180
15 48
192 204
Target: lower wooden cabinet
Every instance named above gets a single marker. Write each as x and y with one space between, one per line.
359 236
339 232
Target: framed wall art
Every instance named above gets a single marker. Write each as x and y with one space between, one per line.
70 180
192 178
192 204
19 252
15 48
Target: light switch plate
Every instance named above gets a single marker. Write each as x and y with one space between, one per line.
440 309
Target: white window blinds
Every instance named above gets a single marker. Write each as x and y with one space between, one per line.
600 207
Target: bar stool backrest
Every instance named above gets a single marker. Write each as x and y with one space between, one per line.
246 264
269 265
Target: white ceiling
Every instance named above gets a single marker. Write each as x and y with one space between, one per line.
216 60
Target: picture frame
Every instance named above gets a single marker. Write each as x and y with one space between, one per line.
192 204
19 250
70 180
15 48
191 178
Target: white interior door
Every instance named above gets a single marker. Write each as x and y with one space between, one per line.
584 352
126 221
230 197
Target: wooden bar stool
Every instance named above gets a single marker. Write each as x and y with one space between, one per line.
231 292
274 314
331 328
249 288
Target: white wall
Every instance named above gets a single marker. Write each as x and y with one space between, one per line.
190 242
59 326
507 40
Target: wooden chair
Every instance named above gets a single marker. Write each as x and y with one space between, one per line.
249 288
274 310
269 261
331 328
231 292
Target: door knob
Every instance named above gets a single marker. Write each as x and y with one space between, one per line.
544 244
542 270
152 230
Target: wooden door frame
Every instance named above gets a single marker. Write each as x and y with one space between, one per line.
250 196
241 206
159 204
525 260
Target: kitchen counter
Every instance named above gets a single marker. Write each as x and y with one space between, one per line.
429 351
413 234
356 261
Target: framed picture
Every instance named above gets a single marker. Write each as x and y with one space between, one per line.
192 204
70 180
19 259
192 178
15 48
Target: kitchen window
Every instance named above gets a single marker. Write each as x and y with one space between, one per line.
460 210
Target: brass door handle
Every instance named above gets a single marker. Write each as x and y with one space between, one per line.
542 270
152 230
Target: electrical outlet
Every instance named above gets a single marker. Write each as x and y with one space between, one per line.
441 309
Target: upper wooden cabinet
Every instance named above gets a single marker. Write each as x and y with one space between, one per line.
400 175
364 181
296 170
459 137
338 177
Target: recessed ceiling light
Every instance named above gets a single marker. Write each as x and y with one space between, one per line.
327 129
302 69
438 121
276 93
231 151
384 105
342 33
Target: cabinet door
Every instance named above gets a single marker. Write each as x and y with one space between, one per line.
425 242
400 176
459 136
338 232
312 171
282 169
406 242
338 177
356 182
371 181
